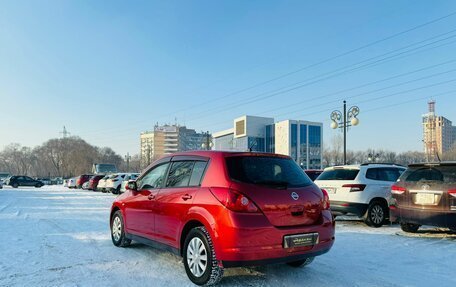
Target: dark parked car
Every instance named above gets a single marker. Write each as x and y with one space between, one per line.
83 178
221 209
313 173
20 180
425 195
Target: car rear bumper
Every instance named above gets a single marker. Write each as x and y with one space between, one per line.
344 207
423 216
252 240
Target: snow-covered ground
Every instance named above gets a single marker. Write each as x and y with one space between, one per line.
54 236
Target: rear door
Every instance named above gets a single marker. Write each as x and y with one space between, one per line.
28 181
176 198
380 179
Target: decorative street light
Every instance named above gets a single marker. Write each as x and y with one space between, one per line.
208 144
373 157
343 121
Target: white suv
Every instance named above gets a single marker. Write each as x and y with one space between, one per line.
363 190
114 183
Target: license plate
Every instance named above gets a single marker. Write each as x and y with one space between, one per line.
300 240
330 189
424 198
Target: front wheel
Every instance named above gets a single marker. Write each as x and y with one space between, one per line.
15 185
409 227
300 263
200 260
38 185
118 231
375 214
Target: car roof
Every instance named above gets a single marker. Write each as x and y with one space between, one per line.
443 163
342 167
210 153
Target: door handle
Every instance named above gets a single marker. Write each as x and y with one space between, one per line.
186 197
151 196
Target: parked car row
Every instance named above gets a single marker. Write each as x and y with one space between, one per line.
105 183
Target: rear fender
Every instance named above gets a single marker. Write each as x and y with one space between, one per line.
200 214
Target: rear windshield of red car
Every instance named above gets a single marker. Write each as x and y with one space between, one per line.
339 174
443 174
269 171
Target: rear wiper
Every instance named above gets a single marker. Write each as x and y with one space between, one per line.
282 184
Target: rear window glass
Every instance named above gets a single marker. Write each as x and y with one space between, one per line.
434 173
384 174
270 171
339 174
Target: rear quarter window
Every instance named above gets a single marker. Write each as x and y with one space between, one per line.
339 174
383 174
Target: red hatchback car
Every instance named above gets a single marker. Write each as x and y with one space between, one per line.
225 209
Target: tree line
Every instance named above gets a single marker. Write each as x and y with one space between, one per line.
72 156
60 157
333 155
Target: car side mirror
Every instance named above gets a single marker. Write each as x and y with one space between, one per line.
131 185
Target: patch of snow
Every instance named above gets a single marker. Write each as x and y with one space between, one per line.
55 236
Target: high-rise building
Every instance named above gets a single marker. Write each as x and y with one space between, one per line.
168 139
438 134
301 140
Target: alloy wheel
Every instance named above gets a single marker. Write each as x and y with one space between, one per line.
377 214
116 228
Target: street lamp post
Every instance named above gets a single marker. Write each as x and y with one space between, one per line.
343 121
127 159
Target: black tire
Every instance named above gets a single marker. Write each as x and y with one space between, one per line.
117 190
301 263
376 214
212 273
15 185
409 227
118 232
38 185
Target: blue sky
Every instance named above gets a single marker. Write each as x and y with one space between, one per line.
109 70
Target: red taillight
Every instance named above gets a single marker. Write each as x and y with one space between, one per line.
325 203
452 192
355 187
397 189
234 200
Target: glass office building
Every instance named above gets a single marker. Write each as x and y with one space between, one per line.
301 140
